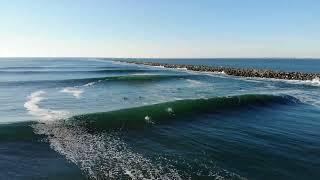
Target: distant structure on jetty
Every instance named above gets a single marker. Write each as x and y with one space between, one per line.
260 73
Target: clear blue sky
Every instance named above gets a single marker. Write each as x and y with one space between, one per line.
160 28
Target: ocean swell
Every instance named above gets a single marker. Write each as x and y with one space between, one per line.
140 117
138 78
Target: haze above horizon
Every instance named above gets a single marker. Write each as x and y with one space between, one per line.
160 29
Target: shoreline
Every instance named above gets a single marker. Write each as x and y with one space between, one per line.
242 72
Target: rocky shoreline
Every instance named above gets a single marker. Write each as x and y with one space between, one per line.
236 71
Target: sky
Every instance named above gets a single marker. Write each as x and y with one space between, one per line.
160 28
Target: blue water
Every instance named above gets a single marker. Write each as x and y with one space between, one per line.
81 118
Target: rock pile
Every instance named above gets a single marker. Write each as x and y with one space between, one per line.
236 71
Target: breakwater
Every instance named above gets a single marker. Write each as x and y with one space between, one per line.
243 72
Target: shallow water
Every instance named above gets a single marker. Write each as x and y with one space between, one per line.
100 119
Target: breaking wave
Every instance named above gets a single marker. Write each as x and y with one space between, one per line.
140 117
99 156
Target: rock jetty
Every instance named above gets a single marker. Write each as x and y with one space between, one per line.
260 73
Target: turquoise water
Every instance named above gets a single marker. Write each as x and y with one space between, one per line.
84 118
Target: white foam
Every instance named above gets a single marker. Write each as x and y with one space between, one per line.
307 97
152 66
32 105
194 82
200 72
102 155
311 98
213 73
73 91
89 84
124 63
184 69
315 81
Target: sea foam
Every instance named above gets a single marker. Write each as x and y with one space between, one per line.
315 81
32 105
89 84
73 91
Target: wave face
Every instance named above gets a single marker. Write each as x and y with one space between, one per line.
158 113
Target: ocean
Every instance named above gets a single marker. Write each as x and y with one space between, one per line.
91 118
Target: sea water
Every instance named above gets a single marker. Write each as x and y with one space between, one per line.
87 118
